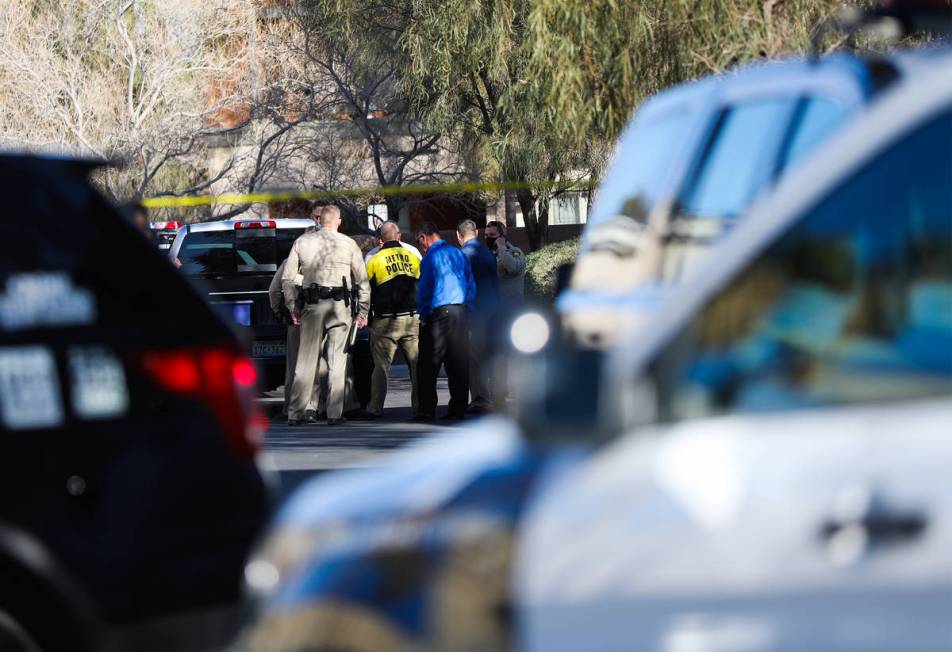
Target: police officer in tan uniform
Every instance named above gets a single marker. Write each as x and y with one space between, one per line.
331 264
276 297
510 263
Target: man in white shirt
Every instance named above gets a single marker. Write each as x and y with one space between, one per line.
410 248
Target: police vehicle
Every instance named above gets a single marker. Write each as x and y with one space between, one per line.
165 232
234 262
689 164
129 493
782 483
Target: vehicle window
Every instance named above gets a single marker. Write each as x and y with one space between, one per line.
739 160
209 253
255 250
853 304
283 241
642 164
818 118
222 253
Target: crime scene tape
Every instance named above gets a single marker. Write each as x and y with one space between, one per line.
185 201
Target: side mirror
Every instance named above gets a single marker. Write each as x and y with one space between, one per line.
561 391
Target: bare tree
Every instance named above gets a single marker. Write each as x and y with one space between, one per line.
215 96
386 143
122 80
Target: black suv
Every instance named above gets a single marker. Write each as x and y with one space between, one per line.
234 262
130 495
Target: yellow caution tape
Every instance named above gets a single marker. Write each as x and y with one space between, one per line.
373 191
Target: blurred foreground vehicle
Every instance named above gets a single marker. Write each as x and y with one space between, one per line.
413 555
785 481
130 496
417 555
235 261
691 162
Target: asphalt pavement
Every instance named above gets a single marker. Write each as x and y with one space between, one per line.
299 452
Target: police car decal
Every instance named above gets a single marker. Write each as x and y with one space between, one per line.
29 390
44 299
98 383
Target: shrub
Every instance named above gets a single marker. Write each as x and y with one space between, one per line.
541 267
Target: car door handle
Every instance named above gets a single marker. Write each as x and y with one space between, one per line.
880 525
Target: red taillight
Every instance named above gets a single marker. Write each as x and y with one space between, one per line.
262 224
244 373
176 371
223 379
166 226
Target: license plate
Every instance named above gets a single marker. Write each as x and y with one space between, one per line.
271 349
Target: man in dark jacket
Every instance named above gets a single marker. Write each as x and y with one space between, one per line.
483 263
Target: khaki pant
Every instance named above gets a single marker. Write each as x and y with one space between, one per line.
386 334
324 322
294 343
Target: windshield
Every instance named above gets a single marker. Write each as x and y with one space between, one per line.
225 253
283 241
643 163
737 164
853 304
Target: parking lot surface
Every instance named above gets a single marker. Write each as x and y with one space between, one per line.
302 451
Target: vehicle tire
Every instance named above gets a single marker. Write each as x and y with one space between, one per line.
35 616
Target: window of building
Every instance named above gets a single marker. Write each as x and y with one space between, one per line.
376 215
569 208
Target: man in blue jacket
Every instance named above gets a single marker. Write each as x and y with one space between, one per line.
446 293
483 263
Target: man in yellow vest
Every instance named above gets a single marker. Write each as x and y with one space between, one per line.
393 273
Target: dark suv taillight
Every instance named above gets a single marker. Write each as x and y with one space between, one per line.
226 381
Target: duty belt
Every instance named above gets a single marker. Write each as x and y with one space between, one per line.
317 293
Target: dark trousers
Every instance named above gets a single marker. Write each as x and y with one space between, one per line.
444 340
363 369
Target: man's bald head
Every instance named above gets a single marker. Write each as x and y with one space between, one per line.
330 218
389 231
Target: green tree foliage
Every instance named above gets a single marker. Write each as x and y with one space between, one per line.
591 61
542 267
541 88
